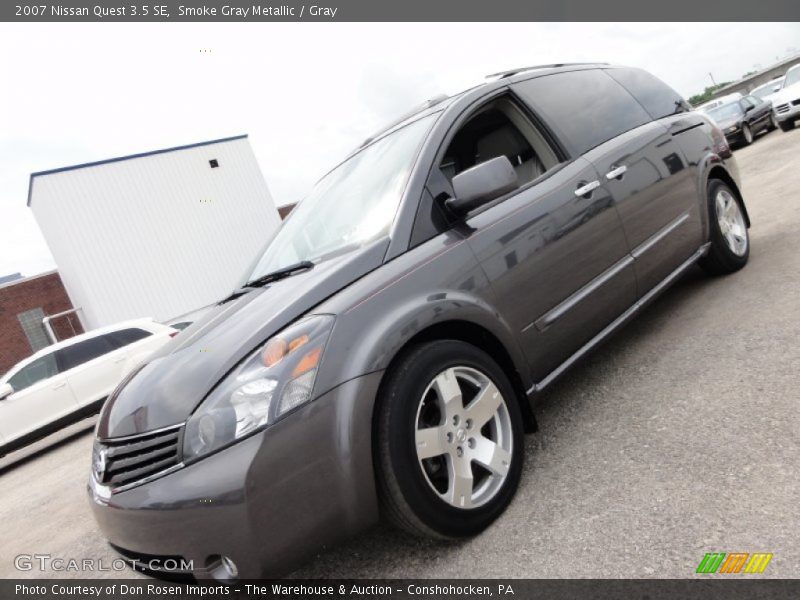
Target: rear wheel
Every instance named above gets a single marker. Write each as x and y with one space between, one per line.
786 125
747 135
730 242
773 122
449 441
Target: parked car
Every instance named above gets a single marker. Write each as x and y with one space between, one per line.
787 100
69 380
768 90
741 120
383 353
705 107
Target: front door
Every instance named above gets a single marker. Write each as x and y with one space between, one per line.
558 262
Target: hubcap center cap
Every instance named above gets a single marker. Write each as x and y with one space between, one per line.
461 435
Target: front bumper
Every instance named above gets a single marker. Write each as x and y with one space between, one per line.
787 111
268 502
733 134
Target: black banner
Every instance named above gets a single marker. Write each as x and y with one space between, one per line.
529 589
400 10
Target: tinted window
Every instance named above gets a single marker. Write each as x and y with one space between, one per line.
40 369
658 99
82 352
124 337
584 108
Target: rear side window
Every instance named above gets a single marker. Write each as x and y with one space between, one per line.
584 108
82 352
123 337
658 99
40 369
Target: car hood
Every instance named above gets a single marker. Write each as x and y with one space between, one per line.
167 388
730 122
786 94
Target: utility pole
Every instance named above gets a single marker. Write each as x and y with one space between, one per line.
714 83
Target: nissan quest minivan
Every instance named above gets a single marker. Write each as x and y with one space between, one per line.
382 355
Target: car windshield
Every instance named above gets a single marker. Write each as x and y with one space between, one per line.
352 205
726 111
792 77
762 91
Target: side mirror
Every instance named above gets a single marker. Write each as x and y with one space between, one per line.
481 184
777 88
5 390
748 108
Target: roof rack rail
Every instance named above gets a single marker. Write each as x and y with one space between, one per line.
510 72
419 108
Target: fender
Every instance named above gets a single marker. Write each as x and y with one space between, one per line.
379 315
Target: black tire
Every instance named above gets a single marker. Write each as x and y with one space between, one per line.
786 125
407 498
747 135
721 259
773 122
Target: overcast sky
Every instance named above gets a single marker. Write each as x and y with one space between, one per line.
307 93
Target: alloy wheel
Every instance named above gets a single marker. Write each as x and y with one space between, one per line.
731 222
748 134
464 437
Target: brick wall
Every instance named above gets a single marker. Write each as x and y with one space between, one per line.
45 292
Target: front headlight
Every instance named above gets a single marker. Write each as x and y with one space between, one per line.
278 377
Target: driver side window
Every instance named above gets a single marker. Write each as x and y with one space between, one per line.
40 369
499 129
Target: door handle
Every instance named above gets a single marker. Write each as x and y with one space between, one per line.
58 386
616 172
587 189
120 359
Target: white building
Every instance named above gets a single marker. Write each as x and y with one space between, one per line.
160 234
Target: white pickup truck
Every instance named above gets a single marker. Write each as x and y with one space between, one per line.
70 379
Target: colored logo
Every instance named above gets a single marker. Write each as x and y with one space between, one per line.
734 562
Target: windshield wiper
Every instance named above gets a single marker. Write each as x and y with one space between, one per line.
268 278
303 265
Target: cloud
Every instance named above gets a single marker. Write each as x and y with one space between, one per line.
307 93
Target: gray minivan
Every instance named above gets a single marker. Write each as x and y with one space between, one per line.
383 352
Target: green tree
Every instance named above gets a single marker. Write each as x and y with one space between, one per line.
707 94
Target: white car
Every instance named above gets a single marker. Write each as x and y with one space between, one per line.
768 90
70 379
711 104
786 102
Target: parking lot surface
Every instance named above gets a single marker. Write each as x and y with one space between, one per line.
678 437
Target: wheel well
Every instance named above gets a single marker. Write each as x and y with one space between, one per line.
723 175
482 338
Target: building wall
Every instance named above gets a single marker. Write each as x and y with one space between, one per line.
158 235
43 291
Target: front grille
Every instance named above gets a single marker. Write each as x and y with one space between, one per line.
782 108
124 461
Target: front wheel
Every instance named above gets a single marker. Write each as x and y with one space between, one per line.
449 441
730 242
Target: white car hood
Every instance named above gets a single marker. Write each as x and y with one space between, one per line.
786 94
